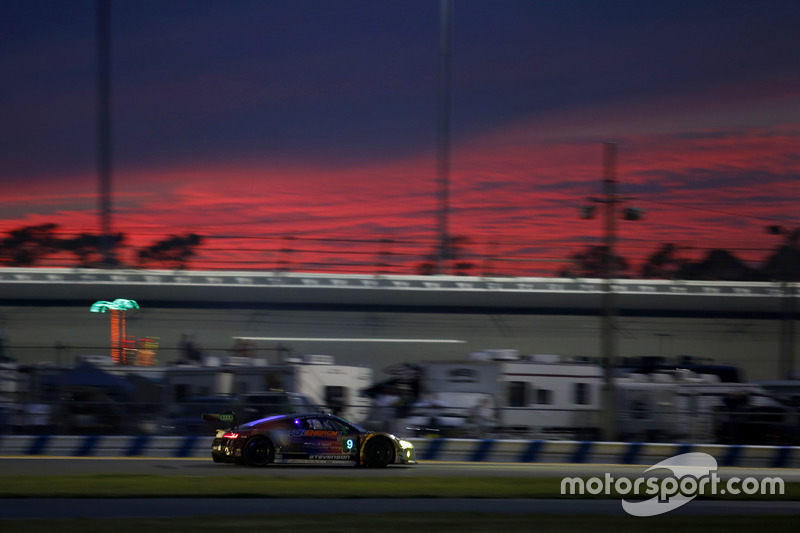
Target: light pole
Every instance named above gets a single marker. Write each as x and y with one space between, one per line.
103 46
786 356
443 133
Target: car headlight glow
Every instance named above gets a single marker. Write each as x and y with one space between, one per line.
405 444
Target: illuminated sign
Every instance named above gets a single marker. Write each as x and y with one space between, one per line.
117 308
120 304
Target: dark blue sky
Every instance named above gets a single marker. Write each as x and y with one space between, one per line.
357 79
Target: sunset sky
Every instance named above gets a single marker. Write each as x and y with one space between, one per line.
317 119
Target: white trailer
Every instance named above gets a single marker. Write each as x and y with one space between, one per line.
550 397
532 395
335 387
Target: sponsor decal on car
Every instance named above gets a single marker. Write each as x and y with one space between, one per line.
326 461
333 457
313 433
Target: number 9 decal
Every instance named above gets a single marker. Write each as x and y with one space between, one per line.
349 444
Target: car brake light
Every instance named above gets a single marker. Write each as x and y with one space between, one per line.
230 436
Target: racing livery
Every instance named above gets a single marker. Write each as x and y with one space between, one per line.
307 439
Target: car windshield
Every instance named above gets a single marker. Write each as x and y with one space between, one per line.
262 420
330 423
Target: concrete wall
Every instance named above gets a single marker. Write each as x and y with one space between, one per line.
32 332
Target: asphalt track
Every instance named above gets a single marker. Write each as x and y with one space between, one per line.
28 508
50 466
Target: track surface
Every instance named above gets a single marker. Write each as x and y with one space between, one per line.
27 508
50 466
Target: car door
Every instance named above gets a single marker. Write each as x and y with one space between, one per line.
294 444
328 439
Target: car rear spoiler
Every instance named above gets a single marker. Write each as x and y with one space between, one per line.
222 417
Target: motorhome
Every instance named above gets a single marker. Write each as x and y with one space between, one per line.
546 396
540 395
684 406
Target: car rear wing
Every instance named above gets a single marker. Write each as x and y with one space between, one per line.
228 417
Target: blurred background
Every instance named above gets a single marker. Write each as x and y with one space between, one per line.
152 150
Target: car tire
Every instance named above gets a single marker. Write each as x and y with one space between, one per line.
378 452
258 451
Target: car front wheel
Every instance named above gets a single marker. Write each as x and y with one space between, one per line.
378 452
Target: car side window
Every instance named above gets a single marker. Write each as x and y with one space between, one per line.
314 423
333 425
325 424
340 426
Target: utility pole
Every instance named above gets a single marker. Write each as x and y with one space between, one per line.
608 343
608 326
443 133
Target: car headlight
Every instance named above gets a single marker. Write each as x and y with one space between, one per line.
405 444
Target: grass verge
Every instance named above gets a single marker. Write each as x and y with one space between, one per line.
277 486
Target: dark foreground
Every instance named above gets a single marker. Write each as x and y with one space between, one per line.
31 508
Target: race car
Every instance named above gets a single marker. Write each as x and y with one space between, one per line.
314 438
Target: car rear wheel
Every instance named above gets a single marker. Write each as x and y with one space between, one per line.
258 451
378 452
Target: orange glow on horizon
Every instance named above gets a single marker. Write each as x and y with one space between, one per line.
514 199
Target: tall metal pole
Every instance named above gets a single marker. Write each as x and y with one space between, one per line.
608 349
443 132
103 44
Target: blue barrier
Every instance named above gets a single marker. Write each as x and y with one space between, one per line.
468 450
589 452
105 446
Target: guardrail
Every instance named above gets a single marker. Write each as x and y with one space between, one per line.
470 450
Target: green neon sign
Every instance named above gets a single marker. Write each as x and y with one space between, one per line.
120 304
